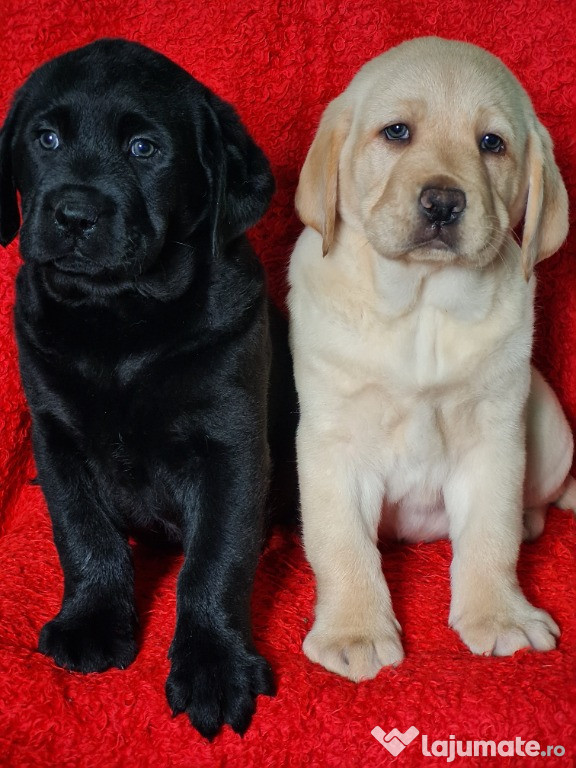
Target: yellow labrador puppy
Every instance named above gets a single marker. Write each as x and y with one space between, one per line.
412 316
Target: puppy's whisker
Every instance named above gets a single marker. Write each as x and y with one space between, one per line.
184 245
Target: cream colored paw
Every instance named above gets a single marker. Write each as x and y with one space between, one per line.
505 632
358 656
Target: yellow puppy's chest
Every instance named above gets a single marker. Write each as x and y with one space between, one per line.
405 367
410 443
428 349
413 392
414 407
411 439
427 341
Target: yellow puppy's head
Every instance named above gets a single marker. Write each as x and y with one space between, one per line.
435 153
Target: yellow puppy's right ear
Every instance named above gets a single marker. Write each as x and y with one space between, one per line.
546 218
317 193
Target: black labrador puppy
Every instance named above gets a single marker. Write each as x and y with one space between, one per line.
142 325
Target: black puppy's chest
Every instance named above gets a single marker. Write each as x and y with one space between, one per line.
119 391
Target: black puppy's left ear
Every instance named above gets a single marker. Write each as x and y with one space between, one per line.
9 213
238 172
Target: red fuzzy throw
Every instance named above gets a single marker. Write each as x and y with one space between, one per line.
280 62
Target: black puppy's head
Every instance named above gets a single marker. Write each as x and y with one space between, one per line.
117 152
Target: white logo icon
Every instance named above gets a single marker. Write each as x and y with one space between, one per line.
395 741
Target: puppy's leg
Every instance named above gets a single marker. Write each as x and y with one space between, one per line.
355 632
567 498
216 673
549 450
95 627
549 444
484 505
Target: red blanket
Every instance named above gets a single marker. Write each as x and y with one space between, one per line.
280 63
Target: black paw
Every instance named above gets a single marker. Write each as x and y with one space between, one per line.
89 642
217 685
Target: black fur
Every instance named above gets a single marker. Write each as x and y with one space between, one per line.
142 326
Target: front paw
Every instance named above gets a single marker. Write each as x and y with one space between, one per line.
506 628
357 655
216 683
89 642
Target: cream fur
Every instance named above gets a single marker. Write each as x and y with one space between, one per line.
412 361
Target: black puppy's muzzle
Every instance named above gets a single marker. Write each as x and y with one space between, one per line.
89 228
76 227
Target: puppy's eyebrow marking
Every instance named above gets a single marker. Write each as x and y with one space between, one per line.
57 116
492 119
133 121
399 110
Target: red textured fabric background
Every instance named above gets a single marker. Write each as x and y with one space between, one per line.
280 63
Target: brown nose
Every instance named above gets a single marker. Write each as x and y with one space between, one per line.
442 206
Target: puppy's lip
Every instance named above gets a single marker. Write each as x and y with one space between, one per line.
74 262
435 250
73 266
435 243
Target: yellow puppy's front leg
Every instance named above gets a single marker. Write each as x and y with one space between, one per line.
355 632
484 505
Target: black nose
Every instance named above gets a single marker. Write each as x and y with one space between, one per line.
76 216
442 206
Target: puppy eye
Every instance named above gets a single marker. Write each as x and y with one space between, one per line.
492 143
397 132
49 140
142 148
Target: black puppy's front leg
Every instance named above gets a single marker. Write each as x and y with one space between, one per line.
216 673
95 627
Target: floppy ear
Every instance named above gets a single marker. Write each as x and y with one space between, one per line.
317 193
546 218
238 172
9 213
